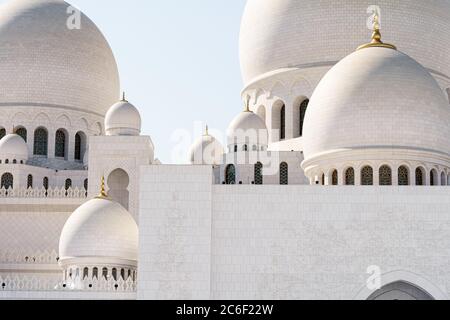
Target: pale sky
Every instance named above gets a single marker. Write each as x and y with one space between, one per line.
178 61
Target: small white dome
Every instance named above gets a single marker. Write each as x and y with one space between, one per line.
206 150
247 129
123 119
376 98
13 147
102 231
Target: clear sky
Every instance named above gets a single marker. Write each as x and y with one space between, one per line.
178 62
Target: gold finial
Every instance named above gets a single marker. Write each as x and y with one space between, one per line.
123 97
103 194
376 36
207 131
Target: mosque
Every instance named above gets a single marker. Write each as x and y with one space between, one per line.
333 183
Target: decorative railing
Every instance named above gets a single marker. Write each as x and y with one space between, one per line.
34 283
55 193
28 257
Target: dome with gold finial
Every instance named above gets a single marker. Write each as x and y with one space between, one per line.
377 104
123 119
206 150
99 233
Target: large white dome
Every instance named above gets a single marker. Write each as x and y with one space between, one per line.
100 230
206 150
278 34
44 63
377 98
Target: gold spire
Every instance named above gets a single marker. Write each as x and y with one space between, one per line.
123 97
376 37
103 194
207 131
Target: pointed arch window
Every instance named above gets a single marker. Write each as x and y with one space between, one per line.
7 181
419 177
385 176
68 184
45 183
334 178
350 177
303 108
284 173
283 123
403 176
40 142
60 144
29 181
258 173
367 176
2 133
230 174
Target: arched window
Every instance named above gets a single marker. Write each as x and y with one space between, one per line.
334 178
29 181
403 176
14 161
86 183
22 132
68 184
7 161
105 273
2 133
7 181
433 178
284 173
85 273
350 177
419 177
283 122
40 142
80 145
385 176
258 173
95 273
122 273
443 179
322 180
114 274
303 108
367 176
60 144
45 183
245 148
235 148
230 174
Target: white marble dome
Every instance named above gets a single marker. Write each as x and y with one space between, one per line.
306 33
247 128
206 150
44 63
123 119
377 98
13 147
102 231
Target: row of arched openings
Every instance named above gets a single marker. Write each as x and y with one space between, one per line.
40 144
7 182
386 178
40 147
230 174
124 274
